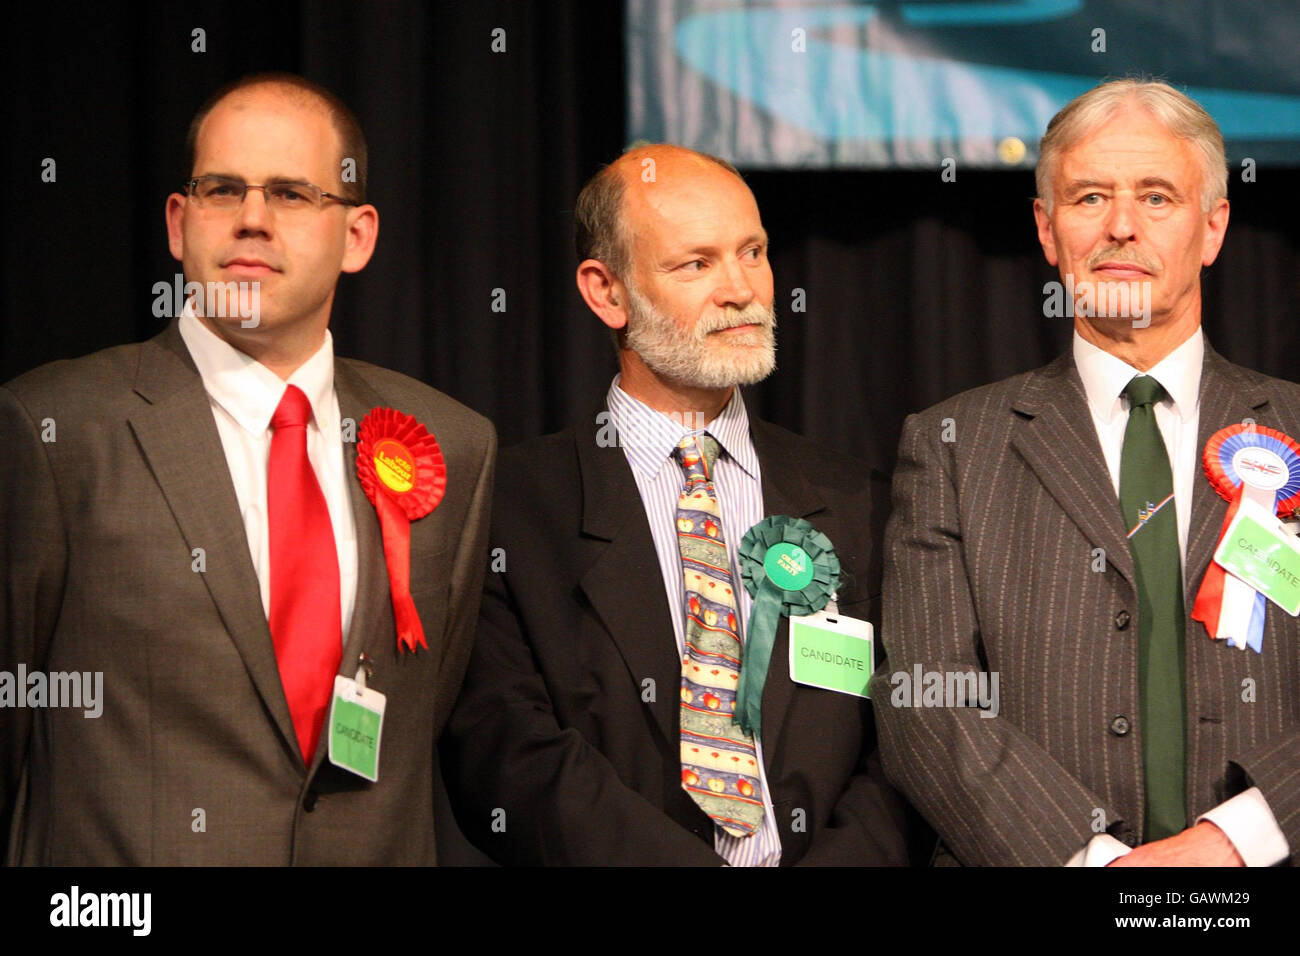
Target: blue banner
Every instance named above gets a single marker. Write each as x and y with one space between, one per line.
800 83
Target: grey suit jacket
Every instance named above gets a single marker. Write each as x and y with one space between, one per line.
991 558
194 759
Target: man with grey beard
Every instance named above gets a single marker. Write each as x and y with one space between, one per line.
595 726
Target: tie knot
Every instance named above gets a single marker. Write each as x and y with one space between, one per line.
696 454
294 410
1144 390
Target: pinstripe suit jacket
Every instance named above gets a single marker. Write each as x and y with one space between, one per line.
992 564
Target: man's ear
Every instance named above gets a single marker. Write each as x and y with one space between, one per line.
174 212
1216 226
1045 237
363 233
603 292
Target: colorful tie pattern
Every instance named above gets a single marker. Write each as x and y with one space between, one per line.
719 765
305 621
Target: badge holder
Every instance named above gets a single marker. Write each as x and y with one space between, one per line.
356 722
831 651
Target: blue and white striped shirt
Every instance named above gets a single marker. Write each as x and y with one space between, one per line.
648 438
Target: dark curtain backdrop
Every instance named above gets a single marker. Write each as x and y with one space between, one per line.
915 288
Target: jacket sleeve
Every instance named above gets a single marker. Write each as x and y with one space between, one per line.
528 792
1274 767
33 561
466 586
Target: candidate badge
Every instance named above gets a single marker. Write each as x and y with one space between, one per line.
789 568
403 473
1260 465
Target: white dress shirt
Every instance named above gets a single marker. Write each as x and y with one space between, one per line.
244 395
1246 818
648 438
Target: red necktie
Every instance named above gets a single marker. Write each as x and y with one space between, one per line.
305 618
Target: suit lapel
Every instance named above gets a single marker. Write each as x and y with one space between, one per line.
179 439
1056 438
1226 398
356 399
786 491
624 584
635 615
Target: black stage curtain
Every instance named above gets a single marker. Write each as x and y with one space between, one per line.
915 288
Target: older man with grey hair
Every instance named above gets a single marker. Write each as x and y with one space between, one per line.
1054 534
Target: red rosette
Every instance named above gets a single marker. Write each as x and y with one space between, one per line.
402 472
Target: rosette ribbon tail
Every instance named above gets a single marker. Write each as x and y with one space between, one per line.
802 574
759 639
1209 597
396 530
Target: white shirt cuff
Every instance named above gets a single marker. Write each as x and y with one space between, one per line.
1247 821
1099 851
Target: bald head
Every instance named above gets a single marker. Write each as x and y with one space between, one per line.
625 188
300 91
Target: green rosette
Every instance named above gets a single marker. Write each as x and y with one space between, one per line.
789 568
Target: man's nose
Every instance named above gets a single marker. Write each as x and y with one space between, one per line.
254 215
736 287
1122 219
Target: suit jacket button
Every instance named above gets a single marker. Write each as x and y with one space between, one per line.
309 801
1121 620
1119 726
1129 839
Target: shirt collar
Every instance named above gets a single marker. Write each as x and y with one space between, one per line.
648 436
1105 377
247 389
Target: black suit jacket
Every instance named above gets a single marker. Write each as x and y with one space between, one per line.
563 747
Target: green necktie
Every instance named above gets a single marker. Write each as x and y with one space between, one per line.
1146 495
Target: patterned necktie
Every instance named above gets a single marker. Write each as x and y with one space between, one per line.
1146 495
719 766
306 622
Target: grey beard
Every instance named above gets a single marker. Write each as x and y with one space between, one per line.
687 359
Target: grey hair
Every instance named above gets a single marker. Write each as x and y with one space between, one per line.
1181 115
